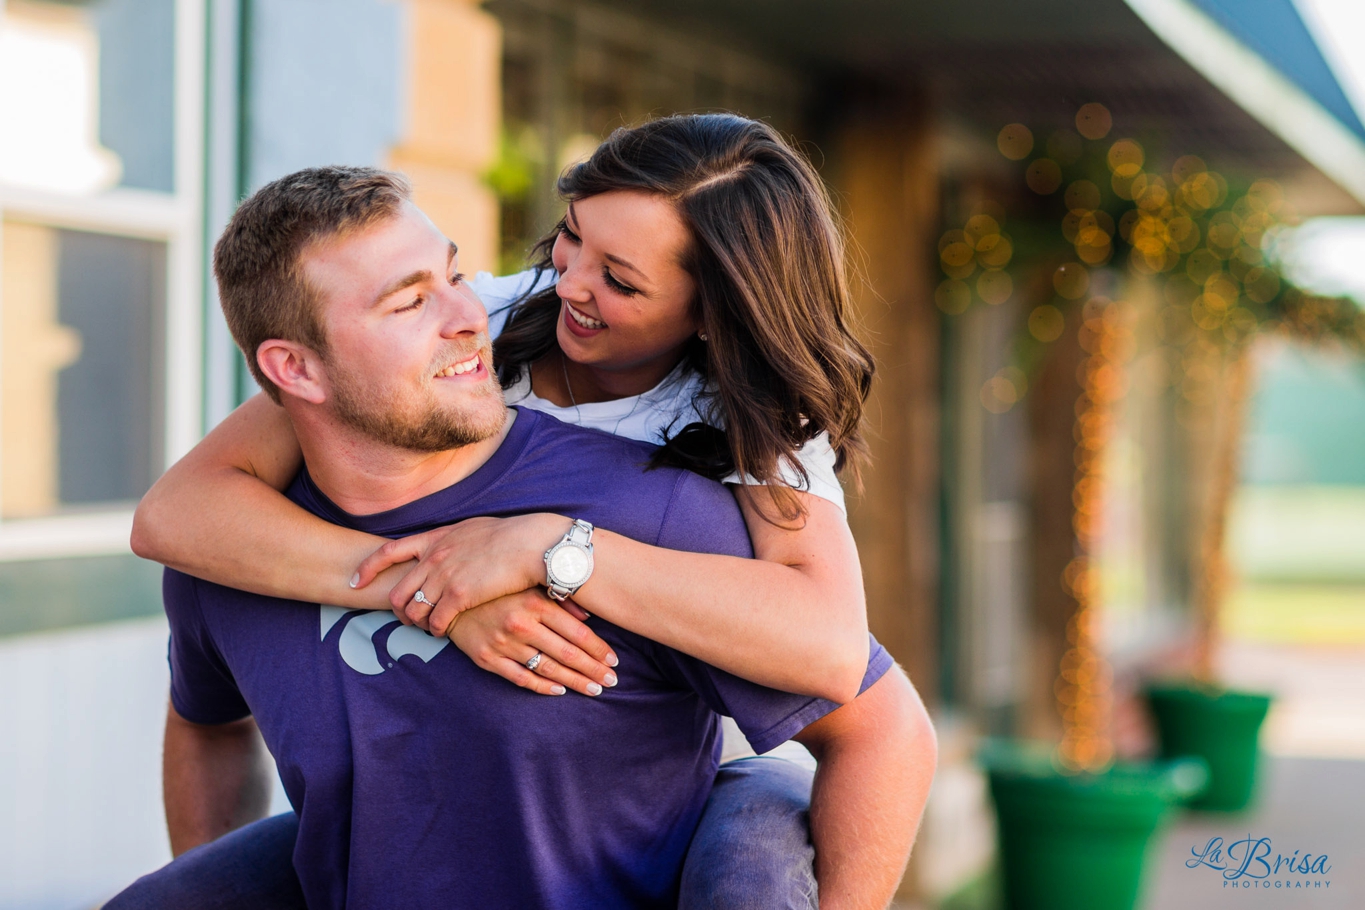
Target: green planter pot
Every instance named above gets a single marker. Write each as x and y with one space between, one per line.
1219 726
1078 841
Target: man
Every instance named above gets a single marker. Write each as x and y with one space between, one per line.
419 779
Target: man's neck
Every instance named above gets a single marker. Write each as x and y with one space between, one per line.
364 477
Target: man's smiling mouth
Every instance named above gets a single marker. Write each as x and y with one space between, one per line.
457 369
584 319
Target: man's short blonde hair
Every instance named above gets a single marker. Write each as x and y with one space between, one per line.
261 284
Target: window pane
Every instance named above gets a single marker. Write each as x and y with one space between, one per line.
137 88
87 94
80 368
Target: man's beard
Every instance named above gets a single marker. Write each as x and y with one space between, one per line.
417 421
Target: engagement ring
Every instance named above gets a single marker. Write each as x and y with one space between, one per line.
422 599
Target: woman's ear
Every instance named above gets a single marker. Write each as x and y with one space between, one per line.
294 368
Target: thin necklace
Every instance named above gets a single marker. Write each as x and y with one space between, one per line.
568 386
578 412
647 398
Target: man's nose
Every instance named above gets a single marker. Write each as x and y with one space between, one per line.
462 312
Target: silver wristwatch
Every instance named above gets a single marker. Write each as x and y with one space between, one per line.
568 564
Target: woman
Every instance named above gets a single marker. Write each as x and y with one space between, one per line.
701 303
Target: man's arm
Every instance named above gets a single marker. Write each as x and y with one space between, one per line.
215 778
876 758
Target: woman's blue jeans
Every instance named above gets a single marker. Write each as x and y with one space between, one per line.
752 851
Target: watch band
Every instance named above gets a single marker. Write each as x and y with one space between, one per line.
579 532
579 536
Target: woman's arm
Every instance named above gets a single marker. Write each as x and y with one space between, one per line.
793 619
218 514
876 758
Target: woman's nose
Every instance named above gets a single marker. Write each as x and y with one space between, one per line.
568 262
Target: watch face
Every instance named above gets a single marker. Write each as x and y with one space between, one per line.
569 565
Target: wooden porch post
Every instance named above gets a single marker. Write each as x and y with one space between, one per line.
887 179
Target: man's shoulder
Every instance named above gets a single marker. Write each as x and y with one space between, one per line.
177 588
591 450
620 484
193 599
586 450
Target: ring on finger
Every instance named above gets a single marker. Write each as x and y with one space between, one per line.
421 598
534 661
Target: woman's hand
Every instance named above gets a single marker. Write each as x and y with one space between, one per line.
464 565
503 635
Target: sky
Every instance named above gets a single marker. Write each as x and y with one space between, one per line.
1326 253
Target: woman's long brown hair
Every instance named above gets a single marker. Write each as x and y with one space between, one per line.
781 365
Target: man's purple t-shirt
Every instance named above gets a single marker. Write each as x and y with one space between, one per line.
423 781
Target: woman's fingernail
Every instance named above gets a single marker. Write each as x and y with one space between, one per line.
557 690
609 679
355 579
612 660
594 689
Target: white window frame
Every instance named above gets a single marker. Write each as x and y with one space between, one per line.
175 219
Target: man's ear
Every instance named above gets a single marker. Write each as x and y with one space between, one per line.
294 368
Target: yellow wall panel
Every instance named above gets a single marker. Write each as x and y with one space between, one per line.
34 349
454 105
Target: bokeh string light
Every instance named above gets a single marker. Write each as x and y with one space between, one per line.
1093 120
1015 141
1084 683
980 251
1200 240
1181 226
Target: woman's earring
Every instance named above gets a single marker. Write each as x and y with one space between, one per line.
702 336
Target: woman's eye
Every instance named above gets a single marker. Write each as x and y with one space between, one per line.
568 234
618 286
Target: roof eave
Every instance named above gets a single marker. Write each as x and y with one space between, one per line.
1260 89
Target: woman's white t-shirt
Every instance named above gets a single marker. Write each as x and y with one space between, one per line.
649 416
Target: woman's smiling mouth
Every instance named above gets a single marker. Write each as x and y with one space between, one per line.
583 318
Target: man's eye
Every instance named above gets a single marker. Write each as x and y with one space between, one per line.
414 305
457 278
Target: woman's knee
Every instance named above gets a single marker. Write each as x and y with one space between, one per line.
250 867
752 848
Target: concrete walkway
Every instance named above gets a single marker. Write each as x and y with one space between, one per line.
1309 805
1313 787
1311 799
1319 709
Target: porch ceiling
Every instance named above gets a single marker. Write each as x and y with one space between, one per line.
986 63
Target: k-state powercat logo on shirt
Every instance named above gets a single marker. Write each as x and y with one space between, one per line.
357 645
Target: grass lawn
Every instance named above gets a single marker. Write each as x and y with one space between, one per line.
1300 555
1307 614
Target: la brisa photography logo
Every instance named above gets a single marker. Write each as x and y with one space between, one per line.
1254 862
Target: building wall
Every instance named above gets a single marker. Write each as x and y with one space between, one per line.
411 86
450 63
83 677
321 85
